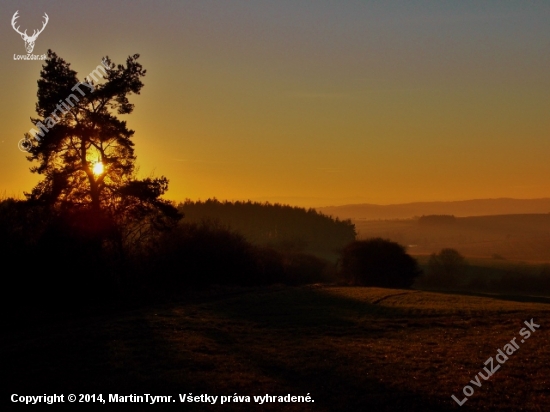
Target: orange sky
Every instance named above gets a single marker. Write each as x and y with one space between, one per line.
311 103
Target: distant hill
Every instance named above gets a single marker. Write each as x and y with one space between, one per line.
517 237
476 207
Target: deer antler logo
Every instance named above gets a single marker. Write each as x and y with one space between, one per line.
29 40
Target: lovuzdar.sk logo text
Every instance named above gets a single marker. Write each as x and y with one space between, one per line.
29 40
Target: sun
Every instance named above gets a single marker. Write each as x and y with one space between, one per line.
98 168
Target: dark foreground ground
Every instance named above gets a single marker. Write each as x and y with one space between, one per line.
350 349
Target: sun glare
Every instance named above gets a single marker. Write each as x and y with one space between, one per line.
98 168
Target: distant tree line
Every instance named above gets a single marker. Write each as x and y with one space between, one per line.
449 270
435 220
284 228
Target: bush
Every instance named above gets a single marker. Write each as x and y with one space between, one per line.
445 268
378 262
209 253
302 268
204 254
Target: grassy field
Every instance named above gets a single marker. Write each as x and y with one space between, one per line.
351 349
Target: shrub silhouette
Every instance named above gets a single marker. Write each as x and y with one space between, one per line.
445 268
209 253
198 254
378 262
303 268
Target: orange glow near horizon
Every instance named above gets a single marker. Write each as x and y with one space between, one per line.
322 104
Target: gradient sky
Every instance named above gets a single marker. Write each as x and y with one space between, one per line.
311 103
